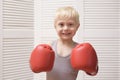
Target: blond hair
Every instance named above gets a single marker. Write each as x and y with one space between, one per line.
67 13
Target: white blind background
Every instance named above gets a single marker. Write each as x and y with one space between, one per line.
101 28
1 39
16 38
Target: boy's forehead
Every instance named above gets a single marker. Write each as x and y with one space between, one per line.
66 19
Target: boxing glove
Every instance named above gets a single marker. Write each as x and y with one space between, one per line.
83 57
42 58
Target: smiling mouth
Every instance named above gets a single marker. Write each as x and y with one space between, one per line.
66 33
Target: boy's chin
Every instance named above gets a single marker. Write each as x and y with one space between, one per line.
66 38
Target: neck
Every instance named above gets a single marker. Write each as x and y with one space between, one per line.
66 42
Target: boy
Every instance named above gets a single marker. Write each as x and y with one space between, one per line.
66 24
64 63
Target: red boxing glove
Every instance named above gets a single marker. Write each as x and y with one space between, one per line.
42 58
84 58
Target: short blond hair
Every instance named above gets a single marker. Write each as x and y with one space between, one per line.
66 13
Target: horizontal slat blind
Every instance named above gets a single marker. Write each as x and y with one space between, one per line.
101 28
17 39
1 35
16 58
18 14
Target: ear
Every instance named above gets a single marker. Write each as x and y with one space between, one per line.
55 25
78 25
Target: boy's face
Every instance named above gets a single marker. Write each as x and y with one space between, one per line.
66 28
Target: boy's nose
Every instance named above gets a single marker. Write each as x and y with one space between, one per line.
65 27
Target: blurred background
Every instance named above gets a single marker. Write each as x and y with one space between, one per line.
27 23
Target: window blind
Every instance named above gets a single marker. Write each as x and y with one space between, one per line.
101 28
1 39
17 39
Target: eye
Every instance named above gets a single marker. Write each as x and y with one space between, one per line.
70 24
61 24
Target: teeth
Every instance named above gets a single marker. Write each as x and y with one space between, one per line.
66 33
